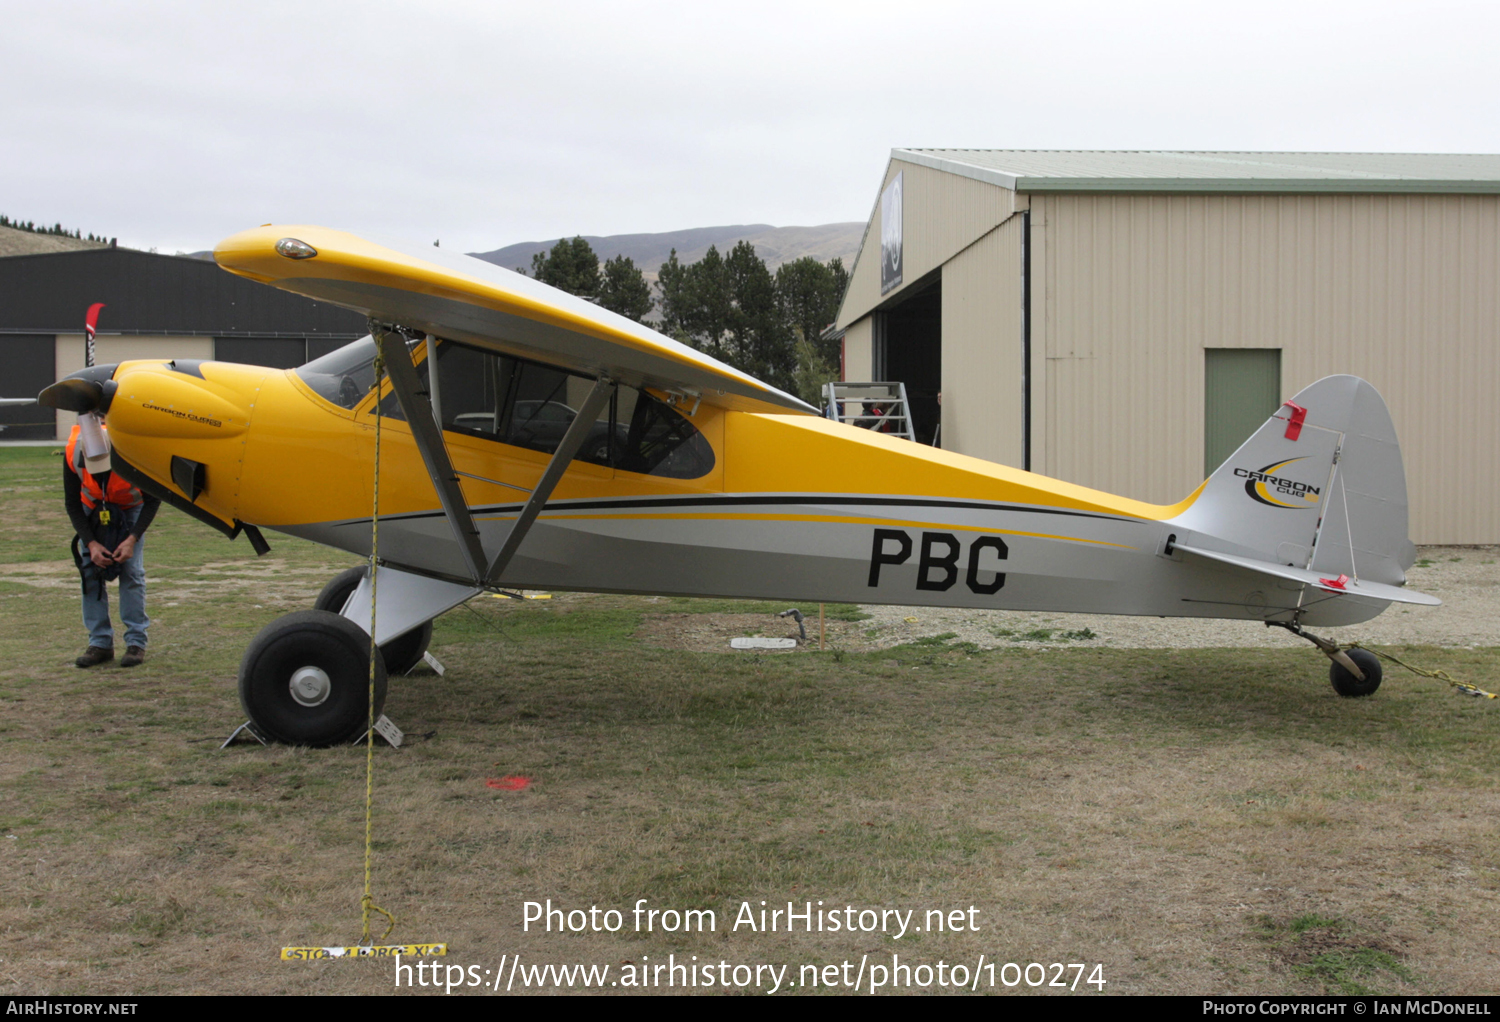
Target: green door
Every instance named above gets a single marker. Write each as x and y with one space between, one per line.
1242 387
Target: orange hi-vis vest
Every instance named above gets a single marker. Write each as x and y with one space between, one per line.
121 494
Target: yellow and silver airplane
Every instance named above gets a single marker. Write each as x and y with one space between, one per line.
559 446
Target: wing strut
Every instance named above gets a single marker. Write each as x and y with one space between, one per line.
429 440
572 440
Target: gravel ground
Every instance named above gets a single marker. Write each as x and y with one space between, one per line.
1466 579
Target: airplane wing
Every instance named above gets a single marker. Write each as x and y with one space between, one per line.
1319 580
470 300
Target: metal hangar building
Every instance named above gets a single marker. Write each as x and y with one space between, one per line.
1123 320
156 306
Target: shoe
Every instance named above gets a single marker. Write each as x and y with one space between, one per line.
95 655
134 656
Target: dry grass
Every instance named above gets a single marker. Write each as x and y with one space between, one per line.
1197 821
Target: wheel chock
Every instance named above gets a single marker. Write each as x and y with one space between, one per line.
249 730
386 729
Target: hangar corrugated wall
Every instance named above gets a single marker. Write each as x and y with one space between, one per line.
1398 289
983 400
945 213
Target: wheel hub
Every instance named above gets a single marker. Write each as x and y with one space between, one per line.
310 686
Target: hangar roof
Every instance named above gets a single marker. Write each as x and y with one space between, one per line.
1060 170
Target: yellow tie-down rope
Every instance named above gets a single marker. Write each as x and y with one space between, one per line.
367 948
367 903
1462 686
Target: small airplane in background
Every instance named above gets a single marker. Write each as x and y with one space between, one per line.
533 440
14 402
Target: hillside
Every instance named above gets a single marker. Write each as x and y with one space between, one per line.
776 245
14 243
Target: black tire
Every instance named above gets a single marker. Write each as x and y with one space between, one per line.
331 644
336 593
403 652
1346 684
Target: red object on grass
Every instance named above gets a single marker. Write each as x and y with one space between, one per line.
1294 424
508 783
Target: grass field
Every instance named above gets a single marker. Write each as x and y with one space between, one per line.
1194 821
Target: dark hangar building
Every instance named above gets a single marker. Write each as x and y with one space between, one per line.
156 306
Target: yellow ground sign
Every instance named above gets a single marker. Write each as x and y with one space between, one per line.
303 954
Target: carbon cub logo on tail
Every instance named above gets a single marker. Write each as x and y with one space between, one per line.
1275 491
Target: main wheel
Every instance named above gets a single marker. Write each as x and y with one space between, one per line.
1346 684
404 651
305 679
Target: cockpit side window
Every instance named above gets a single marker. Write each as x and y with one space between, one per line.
526 404
661 442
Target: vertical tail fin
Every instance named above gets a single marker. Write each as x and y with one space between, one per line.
1320 486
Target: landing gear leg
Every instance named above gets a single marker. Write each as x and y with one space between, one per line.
1353 672
402 653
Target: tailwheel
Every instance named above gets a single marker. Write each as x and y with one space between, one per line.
305 679
404 651
1354 671
1344 681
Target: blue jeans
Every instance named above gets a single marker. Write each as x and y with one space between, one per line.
132 597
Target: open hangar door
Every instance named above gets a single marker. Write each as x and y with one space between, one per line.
909 349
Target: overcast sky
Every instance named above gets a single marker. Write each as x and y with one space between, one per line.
486 123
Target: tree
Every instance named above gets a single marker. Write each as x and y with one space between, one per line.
571 266
758 335
623 289
813 372
809 293
708 315
732 308
674 300
696 304
56 229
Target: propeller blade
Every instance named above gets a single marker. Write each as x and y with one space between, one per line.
73 395
88 390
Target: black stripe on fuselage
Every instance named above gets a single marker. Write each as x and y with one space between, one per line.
626 503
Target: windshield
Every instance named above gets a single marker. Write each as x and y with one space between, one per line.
345 375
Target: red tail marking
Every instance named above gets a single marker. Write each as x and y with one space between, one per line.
1294 424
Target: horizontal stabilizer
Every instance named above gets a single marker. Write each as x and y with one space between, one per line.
1318 580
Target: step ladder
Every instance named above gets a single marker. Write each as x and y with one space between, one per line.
879 406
